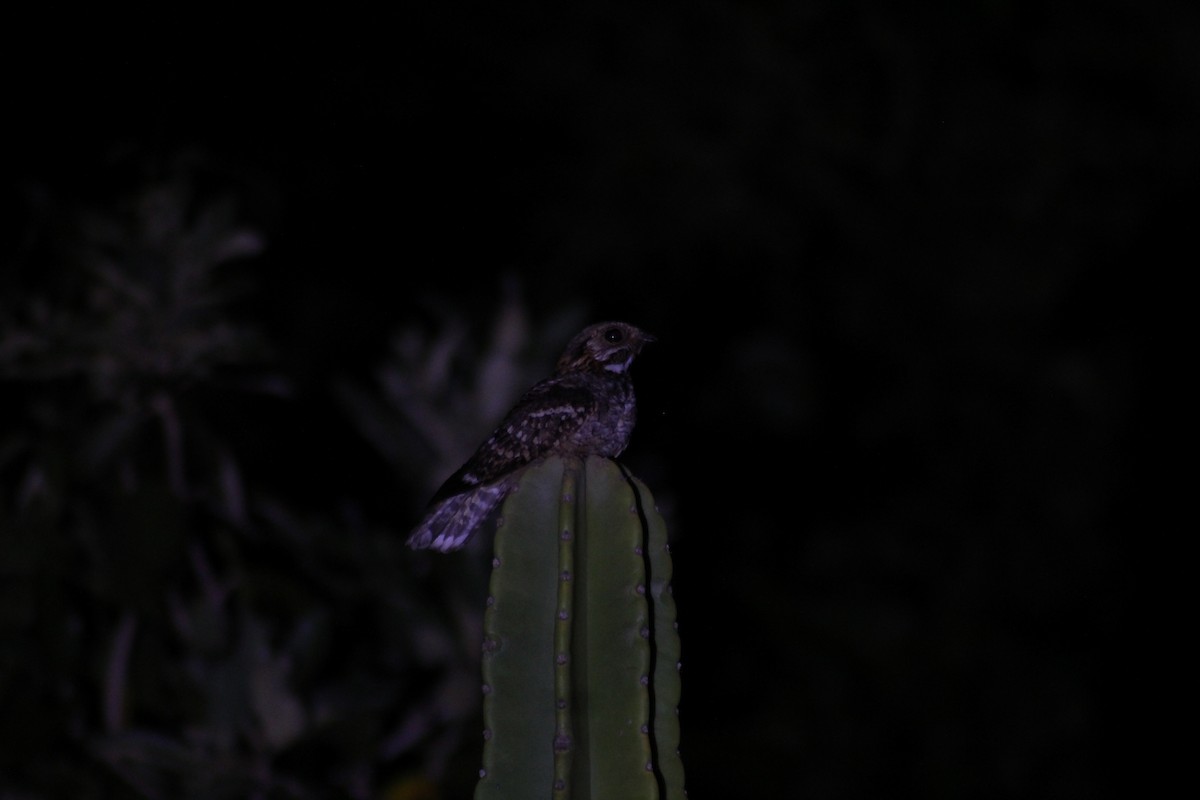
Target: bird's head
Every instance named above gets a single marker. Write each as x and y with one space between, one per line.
607 346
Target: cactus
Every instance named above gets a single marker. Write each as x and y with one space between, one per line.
581 655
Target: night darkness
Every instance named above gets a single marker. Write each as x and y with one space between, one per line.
258 298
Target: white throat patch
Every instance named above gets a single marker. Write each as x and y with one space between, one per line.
620 366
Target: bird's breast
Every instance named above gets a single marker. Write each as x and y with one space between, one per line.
606 431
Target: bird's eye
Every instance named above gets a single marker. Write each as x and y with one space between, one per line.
614 335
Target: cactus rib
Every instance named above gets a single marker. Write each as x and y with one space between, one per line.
580 648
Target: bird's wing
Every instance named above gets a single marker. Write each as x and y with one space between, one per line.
545 416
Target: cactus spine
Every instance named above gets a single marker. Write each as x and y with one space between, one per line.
580 662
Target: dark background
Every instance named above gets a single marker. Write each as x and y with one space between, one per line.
264 285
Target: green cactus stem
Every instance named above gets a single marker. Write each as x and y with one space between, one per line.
581 655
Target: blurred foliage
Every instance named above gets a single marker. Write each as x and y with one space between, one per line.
171 626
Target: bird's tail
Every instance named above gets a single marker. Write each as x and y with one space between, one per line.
453 521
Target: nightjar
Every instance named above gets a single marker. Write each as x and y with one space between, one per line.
586 408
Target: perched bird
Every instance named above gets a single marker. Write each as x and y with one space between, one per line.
586 408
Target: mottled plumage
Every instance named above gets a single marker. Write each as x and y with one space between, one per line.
586 408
